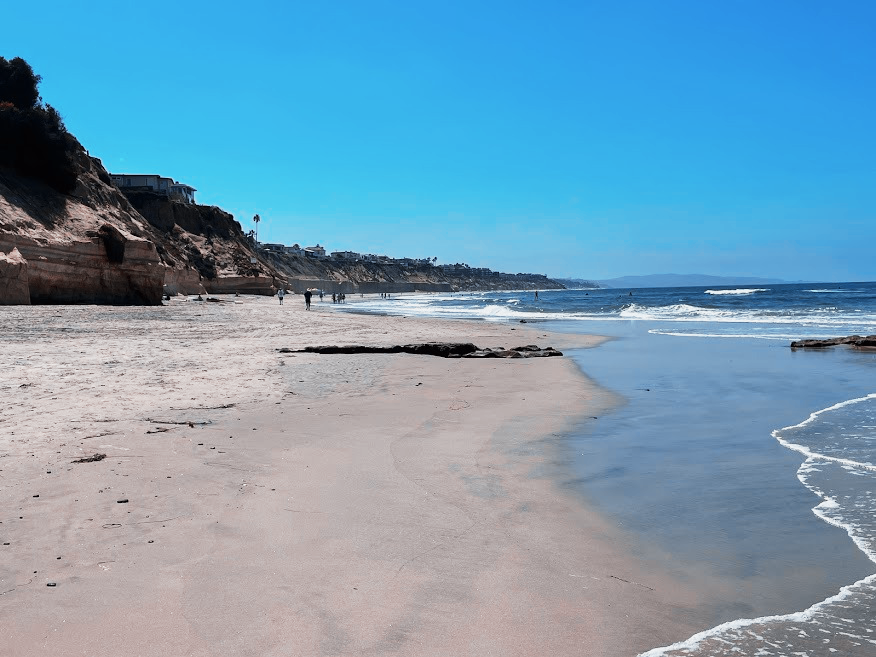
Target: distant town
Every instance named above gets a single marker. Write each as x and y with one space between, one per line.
319 252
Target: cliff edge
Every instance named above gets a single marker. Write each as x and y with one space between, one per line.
69 235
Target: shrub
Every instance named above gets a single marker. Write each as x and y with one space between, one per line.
33 139
18 84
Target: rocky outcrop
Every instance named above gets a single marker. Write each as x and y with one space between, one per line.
166 214
240 285
109 268
529 351
182 280
208 240
441 349
852 340
93 246
14 286
89 246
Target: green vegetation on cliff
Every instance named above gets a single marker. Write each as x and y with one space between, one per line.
33 139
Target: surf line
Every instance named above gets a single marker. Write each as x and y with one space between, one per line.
808 453
808 614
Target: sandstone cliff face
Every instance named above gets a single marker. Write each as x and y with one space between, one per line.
94 246
82 271
182 281
87 247
208 240
98 245
14 287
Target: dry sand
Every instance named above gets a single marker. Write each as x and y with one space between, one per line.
298 504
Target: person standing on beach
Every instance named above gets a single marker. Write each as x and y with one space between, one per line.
281 293
307 295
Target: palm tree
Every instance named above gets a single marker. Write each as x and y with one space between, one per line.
256 219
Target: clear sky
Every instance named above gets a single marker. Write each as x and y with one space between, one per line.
587 139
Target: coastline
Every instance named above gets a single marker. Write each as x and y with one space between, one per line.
363 504
726 502
717 504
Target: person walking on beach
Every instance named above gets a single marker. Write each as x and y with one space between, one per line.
307 295
281 293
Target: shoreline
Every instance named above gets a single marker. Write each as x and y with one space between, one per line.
752 584
788 577
338 504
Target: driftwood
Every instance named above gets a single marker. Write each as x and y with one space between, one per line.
91 459
442 349
852 340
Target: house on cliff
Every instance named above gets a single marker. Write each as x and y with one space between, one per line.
345 255
315 251
155 183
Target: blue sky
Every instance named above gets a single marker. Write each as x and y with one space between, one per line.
569 138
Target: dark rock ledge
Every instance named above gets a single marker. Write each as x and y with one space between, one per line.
853 340
442 349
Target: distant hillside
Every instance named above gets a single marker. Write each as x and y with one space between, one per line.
578 283
686 280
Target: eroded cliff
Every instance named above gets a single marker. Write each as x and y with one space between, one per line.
69 235
89 246
94 246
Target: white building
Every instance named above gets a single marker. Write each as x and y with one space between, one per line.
346 255
155 183
315 251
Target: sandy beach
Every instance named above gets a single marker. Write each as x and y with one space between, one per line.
253 502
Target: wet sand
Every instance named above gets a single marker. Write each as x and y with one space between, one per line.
259 503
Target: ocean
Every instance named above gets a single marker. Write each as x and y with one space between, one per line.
729 460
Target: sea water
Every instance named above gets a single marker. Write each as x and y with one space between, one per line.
839 443
752 466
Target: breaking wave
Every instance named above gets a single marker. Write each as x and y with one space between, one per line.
773 313
739 291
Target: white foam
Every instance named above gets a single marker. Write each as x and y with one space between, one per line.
805 323
759 336
738 291
808 453
822 511
682 312
797 616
